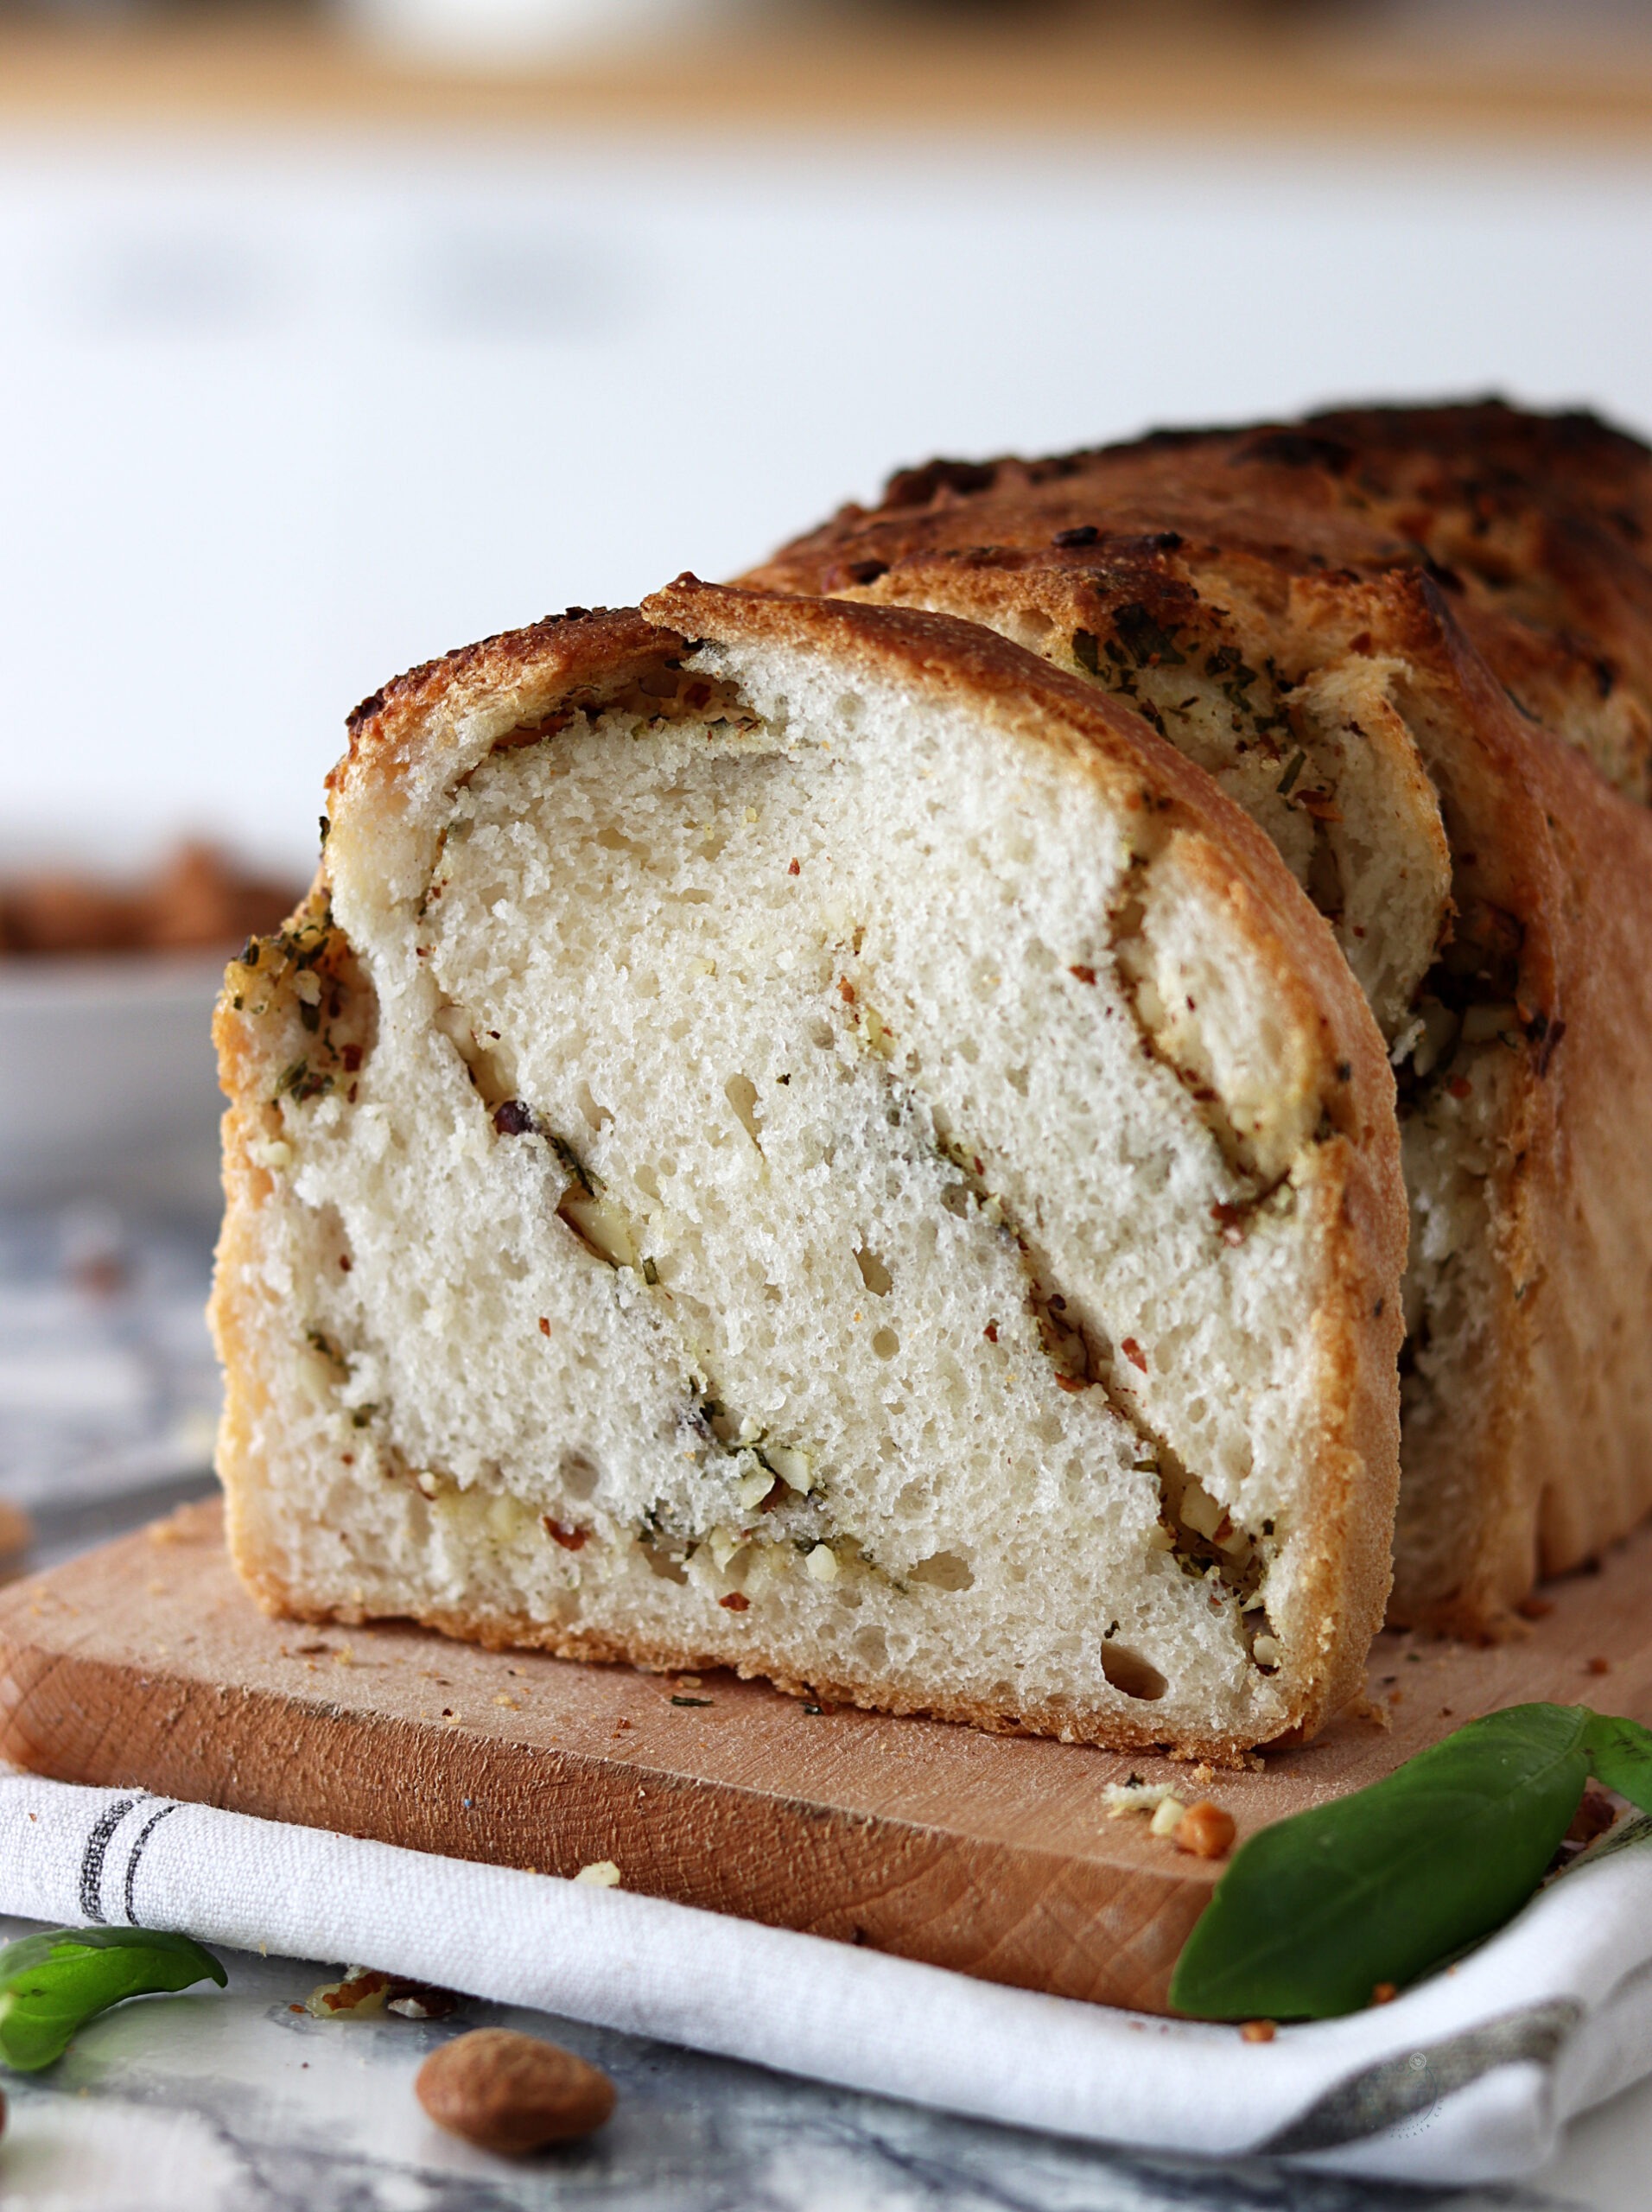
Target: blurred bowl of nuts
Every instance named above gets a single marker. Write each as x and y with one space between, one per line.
108 1081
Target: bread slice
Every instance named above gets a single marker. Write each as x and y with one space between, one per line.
795 1136
1416 647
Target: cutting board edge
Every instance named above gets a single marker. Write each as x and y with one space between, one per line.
1026 1914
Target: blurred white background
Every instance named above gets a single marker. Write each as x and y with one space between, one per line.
279 418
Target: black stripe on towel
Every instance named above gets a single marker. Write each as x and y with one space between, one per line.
1399 2094
143 1835
96 1850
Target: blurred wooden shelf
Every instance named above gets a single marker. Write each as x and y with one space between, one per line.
1083 78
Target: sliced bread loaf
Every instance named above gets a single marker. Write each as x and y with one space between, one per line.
797 1136
1416 647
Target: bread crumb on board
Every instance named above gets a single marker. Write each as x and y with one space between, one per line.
1205 1829
1122 1797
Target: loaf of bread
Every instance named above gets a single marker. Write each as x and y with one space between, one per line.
1415 646
797 1136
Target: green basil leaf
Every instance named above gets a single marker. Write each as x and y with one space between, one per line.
1314 1912
52 1984
1620 1756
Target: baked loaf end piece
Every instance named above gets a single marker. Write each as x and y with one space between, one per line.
1415 645
795 1136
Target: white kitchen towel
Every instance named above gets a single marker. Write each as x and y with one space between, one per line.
1468 2077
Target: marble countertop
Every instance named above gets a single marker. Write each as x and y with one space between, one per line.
233 2101
236 2098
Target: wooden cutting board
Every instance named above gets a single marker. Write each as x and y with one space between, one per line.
145 1663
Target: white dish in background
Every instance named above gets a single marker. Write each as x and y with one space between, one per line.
487 33
109 1082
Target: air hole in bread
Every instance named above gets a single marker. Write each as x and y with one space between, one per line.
741 1094
943 1570
1132 1675
579 1475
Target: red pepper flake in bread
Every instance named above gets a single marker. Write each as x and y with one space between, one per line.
571 1539
1320 805
1133 1353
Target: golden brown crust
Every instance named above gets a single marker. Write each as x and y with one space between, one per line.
1580 1442
1504 557
1536 527
558 659
404 740
250 1050
1109 1730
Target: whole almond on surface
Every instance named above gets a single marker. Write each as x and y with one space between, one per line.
512 2093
